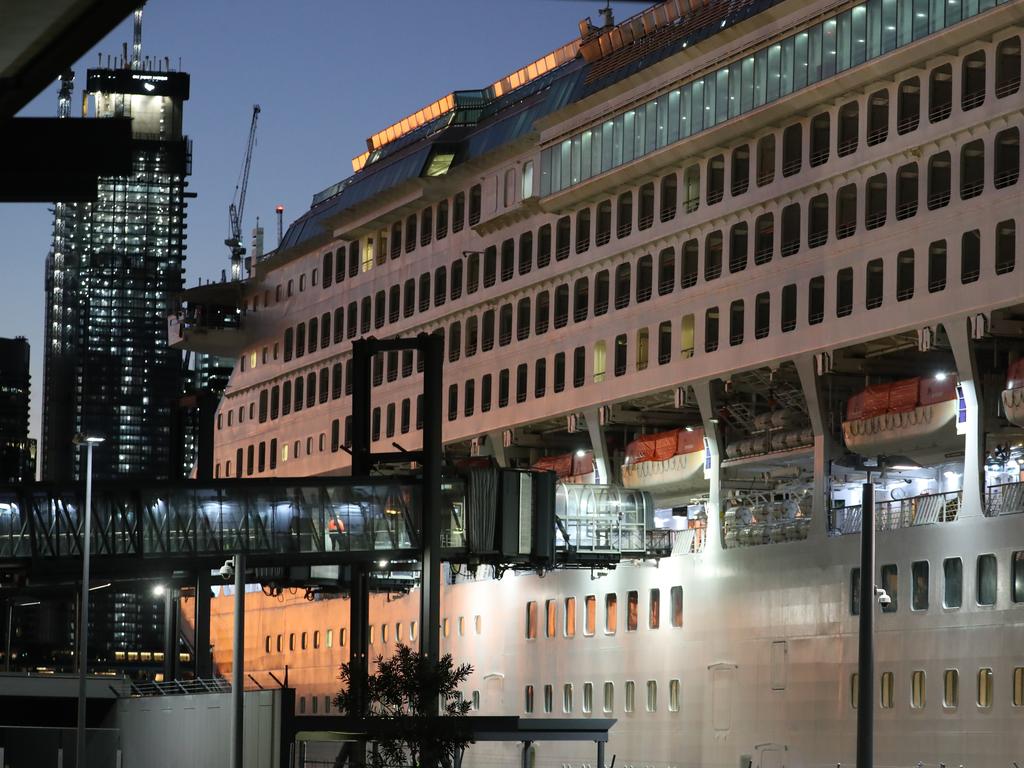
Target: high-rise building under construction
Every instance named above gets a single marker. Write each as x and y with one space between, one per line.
114 266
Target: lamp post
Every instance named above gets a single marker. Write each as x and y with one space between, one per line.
89 441
868 595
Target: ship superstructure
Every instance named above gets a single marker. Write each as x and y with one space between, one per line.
707 253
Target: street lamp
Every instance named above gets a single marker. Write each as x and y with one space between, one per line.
90 442
868 595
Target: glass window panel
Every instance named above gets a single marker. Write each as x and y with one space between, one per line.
566 163
772 80
684 111
786 72
697 106
662 119
920 20
722 93
651 127
888 25
905 22
586 155
937 15
639 132
617 131
746 81
800 61
843 49
828 48
596 150
545 172
709 101
735 89
672 118
628 135
858 34
608 145
576 159
760 74
814 54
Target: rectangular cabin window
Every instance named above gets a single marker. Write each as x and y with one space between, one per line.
878 117
972 169
588 698
654 609
531 620
937 266
906 191
874 284
690 266
551 617
890 583
632 610
652 695
951 689
908 105
630 704
919 595
766 160
528 700
788 307
570 617
590 615
711 329
1017 576
1018 686
985 688
609 697
987 580
611 618
844 292
917 689
1006 246
905 275
686 336
676 595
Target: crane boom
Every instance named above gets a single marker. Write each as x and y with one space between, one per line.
237 207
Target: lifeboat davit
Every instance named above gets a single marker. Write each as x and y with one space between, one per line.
1013 395
906 417
666 461
570 467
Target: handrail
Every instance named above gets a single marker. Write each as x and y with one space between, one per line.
899 513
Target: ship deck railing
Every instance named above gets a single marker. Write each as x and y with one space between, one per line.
896 514
180 687
1004 499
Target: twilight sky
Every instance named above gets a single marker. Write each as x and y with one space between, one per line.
326 74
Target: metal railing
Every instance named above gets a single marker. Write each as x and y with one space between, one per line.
899 513
1004 499
180 687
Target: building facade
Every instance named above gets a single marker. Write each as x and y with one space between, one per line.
114 265
17 451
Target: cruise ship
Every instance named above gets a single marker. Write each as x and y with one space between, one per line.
704 255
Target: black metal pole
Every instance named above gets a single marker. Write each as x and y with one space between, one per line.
204 659
866 639
170 633
359 596
430 599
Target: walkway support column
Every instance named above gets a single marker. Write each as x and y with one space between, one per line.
709 417
974 428
430 600
170 633
599 446
820 504
238 666
204 660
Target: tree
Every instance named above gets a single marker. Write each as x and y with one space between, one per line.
402 693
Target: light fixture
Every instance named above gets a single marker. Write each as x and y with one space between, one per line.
149 86
940 376
689 429
383 563
159 590
580 453
86 438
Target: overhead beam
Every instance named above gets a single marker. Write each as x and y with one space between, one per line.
57 160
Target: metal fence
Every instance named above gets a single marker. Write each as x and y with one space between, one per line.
900 513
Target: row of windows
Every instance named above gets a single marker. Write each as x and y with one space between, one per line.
985 591
619 289
950 689
611 617
331 383
851 38
586 706
319 387
306 640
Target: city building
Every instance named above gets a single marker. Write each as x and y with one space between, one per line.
17 450
113 268
714 254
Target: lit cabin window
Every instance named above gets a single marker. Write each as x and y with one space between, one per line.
550 611
985 688
316 638
1018 687
478 621
917 689
398 632
446 627
677 606
632 608
570 617
330 638
531 620
252 360
654 613
384 632
528 699
611 617
951 689
462 626
590 615
412 631
885 690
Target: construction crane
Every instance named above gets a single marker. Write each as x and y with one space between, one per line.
237 207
